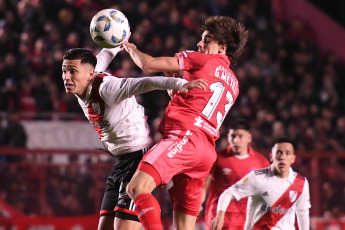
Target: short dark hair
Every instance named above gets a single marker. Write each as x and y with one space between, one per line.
227 31
240 124
86 56
284 140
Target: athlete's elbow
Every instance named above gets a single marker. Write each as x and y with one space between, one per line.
147 68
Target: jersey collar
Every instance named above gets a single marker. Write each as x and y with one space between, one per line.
225 58
290 178
250 151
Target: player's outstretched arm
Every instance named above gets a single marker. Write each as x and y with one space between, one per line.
105 57
151 64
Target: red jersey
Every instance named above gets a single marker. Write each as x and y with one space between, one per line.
226 171
197 109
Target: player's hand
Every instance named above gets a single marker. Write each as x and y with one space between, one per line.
218 222
172 74
172 93
122 47
129 46
199 84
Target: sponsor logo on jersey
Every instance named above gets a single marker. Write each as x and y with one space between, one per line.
178 147
198 121
245 180
226 171
206 126
99 124
279 210
293 195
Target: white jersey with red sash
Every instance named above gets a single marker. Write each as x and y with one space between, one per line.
273 201
112 109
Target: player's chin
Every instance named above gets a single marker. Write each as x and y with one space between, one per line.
69 91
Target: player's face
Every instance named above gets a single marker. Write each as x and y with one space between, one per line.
208 44
282 157
76 76
239 140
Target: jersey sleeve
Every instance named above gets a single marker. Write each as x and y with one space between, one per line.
191 60
115 89
105 57
244 187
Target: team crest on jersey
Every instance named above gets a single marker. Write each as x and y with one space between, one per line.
293 196
96 107
226 171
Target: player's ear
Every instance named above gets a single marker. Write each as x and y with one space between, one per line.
270 157
222 48
249 138
91 74
293 159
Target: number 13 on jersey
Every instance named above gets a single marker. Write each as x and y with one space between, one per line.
217 89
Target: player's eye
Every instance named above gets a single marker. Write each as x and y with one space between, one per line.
207 40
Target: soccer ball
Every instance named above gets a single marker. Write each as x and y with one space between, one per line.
109 28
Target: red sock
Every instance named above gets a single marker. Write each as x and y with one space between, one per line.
149 211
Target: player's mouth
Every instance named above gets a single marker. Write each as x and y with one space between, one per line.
281 165
68 85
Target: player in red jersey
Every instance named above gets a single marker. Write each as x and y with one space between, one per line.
190 124
232 163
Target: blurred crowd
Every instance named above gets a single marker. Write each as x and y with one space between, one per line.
287 86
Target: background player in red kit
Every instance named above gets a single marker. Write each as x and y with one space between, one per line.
232 163
190 124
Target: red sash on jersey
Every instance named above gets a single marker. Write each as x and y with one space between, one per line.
281 206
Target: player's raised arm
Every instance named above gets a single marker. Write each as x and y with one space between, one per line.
133 86
105 57
151 64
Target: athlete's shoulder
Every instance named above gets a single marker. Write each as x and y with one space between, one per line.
102 74
299 176
187 53
260 156
263 171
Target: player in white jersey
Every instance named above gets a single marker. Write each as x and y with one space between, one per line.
276 194
110 106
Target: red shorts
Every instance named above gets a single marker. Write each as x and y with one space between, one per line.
186 157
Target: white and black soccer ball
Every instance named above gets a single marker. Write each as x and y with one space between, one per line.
109 28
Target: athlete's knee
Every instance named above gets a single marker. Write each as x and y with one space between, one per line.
139 184
131 190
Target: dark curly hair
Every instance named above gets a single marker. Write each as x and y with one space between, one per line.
227 31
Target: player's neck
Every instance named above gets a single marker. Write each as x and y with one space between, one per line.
280 173
242 153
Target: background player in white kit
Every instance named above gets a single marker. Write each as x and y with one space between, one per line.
109 104
276 194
